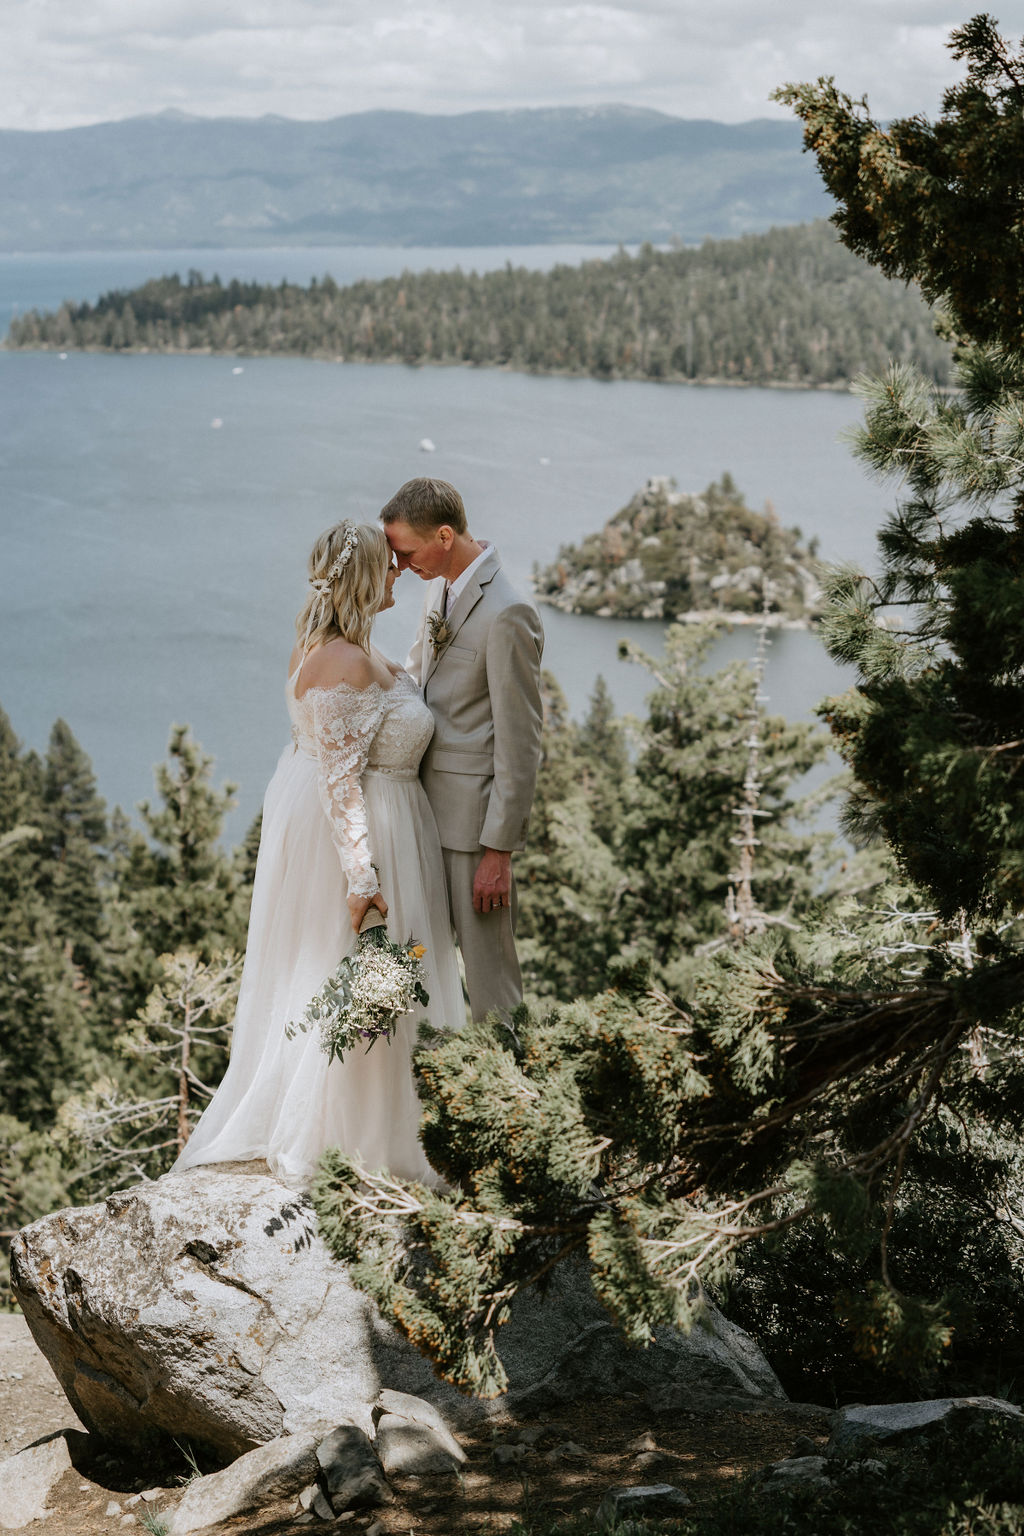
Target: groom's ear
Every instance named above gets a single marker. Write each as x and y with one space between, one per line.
445 535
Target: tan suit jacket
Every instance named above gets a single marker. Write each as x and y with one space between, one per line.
483 689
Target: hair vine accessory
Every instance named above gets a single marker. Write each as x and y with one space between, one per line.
351 540
322 585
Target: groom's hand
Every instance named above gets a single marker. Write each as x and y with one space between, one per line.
492 883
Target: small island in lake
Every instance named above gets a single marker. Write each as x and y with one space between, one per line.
672 555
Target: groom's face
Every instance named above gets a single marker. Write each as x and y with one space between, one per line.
428 554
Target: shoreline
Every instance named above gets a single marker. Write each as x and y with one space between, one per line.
720 617
835 387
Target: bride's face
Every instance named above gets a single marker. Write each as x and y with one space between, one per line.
389 586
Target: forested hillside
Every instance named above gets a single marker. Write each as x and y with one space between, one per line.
792 306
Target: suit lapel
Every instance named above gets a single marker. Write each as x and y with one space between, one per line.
464 605
436 607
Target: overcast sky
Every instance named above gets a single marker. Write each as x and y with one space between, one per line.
66 62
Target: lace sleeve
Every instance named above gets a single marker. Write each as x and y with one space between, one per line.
345 721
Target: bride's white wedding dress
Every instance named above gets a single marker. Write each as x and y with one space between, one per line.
346 788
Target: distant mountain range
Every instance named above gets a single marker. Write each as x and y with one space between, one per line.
402 178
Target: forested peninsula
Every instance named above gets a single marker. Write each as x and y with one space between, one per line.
671 555
790 307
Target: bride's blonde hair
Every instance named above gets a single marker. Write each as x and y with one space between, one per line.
348 570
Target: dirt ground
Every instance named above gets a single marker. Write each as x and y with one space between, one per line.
554 1465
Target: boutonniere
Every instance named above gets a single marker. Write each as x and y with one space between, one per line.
439 630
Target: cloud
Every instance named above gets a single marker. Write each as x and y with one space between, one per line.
65 63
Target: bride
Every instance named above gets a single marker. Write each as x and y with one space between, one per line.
346 826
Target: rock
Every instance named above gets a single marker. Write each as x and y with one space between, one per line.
27 1480
567 1451
509 1455
571 1328
406 1448
800 1469
308 1494
531 1434
351 1470
113 1508
204 1305
424 1445
659 1466
644 1442
321 1507
276 1470
863 1425
651 1503
417 1410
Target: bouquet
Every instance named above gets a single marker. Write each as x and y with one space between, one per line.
362 1000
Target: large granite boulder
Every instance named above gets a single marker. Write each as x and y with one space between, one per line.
863 1425
205 1305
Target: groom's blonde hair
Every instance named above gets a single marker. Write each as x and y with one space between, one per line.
426 504
354 593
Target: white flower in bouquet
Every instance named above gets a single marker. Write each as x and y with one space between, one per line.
362 1000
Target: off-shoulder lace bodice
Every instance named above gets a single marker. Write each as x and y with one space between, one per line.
351 731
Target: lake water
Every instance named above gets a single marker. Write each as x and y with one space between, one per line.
157 514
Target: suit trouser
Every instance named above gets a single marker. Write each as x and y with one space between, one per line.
486 939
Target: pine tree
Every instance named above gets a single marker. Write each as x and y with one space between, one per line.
679 839
133 1123
605 756
32 1180
74 829
181 889
47 1035
569 878
936 204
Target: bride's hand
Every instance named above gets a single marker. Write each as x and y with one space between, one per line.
358 907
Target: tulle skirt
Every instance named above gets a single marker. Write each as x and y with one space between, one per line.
280 1100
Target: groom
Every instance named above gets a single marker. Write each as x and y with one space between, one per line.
477 659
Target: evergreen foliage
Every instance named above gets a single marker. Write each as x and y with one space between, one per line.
819 1311
182 891
938 204
132 1125
569 878
74 832
639 855
790 306
50 1033
87 1094
679 834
